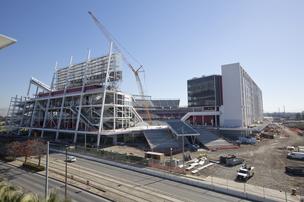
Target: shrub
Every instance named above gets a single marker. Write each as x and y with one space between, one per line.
8 158
11 193
33 167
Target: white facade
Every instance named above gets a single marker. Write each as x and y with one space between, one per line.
242 98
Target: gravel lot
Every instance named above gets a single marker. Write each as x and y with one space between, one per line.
269 159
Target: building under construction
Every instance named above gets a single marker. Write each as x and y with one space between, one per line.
84 104
82 99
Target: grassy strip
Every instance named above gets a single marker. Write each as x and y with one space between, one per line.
33 167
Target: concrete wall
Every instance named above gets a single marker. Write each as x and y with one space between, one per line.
243 102
232 113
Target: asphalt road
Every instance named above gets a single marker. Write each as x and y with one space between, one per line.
35 183
176 190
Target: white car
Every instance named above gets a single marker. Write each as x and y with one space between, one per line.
71 158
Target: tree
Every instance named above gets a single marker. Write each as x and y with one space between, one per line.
27 149
14 149
38 149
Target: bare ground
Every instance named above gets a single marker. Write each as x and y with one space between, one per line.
269 159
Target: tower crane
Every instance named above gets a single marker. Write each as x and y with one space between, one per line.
119 48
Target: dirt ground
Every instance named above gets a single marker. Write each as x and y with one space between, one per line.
124 149
268 157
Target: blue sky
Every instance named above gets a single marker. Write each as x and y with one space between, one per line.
174 39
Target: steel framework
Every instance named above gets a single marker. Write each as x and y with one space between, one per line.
83 98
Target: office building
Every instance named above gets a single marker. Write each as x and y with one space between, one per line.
205 91
242 98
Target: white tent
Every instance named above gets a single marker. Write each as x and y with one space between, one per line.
6 41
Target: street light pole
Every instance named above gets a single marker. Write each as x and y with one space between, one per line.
85 142
170 158
66 173
183 146
183 152
47 170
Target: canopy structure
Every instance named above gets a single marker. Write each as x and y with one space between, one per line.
6 41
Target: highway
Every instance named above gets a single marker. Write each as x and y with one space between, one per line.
35 183
175 190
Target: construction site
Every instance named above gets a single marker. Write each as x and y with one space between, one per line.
222 126
84 105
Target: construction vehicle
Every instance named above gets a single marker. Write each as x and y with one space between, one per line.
245 172
295 170
296 155
230 160
118 47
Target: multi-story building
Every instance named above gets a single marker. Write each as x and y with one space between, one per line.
234 96
205 91
242 98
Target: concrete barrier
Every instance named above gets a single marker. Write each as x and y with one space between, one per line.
176 178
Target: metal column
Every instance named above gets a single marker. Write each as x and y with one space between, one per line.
33 113
48 101
84 80
63 98
104 95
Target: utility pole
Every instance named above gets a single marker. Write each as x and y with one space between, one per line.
66 173
183 146
170 158
47 170
85 142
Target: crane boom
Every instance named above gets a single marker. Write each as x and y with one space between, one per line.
116 46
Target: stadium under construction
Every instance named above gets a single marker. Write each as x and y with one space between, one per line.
85 105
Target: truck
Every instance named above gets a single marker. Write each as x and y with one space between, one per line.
296 155
230 160
245 172
300 148
295 170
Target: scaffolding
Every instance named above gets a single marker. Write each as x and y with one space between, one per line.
83 98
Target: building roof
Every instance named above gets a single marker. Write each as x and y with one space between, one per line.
204 77
6 41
